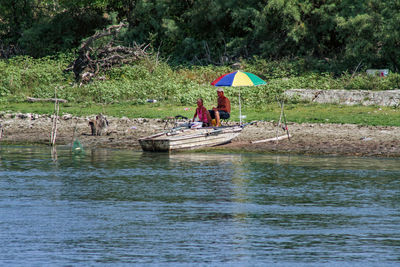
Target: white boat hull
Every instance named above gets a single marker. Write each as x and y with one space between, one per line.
189 139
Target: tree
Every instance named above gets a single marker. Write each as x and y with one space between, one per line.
61 32
372 36
15 17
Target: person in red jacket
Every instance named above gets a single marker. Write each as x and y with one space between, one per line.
223 109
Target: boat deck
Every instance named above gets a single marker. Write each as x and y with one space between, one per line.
185 138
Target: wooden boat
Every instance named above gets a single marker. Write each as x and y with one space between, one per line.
189 138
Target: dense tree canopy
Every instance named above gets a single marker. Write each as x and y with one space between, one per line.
353 32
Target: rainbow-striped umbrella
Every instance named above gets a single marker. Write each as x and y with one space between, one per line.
238 78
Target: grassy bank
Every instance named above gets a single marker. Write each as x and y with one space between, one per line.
123 91
151 78
299 113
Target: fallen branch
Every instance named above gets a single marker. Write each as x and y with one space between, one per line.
32 99
272 139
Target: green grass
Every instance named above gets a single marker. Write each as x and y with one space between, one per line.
129 87
364 115
317 113
299 113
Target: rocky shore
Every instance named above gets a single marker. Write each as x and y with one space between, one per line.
307 138
388 98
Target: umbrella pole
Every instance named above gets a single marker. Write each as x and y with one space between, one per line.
240 110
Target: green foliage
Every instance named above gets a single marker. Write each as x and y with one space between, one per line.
26 76
368 82
300 113
369 34
15 16
326 36
60 33
150 78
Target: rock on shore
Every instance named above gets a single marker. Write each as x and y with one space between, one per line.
390 98
328 139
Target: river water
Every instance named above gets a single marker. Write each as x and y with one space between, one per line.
119 207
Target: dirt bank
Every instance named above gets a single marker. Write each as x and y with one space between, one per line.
332 139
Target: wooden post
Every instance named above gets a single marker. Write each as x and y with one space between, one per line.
73 134
54 154
277 138
55 118
279 123
286 127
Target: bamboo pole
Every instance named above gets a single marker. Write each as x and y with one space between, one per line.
54 154
53 134
73 134
56 119
286 127
279 123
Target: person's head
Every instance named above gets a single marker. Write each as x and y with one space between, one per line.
220 91
199 102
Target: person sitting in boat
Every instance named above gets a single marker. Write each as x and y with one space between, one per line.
223 109
202 113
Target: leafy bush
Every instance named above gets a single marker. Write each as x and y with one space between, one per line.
155 79
26 76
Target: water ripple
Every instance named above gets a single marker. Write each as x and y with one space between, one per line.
117 207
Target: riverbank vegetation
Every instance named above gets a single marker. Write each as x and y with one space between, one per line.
289 44
152 78
298 113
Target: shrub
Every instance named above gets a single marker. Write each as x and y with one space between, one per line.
155 79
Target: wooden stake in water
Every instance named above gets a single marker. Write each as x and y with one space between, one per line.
54 154
73 133
55 118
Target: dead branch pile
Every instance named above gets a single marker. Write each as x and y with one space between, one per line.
91 60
